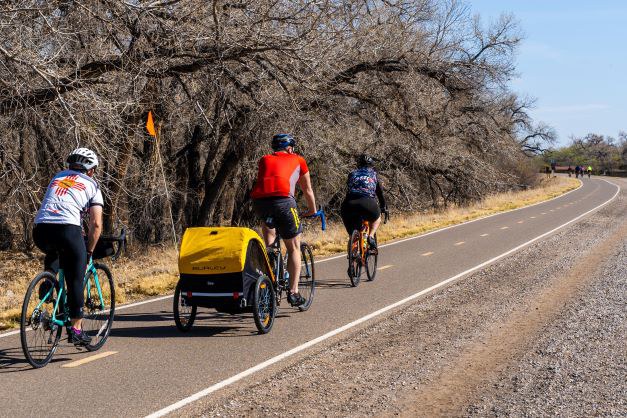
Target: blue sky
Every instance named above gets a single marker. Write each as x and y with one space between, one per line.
573 60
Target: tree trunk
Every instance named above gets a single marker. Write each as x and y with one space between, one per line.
214 189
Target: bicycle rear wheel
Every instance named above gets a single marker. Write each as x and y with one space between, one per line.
354 259
99 306
39 336
307 281
264 304
372 258
184 313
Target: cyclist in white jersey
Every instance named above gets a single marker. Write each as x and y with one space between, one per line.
58 231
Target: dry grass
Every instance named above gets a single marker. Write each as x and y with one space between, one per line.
154 271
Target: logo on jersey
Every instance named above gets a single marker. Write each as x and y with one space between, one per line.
63 185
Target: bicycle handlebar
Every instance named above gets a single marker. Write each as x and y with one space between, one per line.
323 218
121 241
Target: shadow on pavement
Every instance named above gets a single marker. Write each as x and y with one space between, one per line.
12 360
332 284
207 323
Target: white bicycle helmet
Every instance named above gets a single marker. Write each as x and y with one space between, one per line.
83 158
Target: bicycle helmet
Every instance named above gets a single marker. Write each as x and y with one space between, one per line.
282 141
365 161
83 158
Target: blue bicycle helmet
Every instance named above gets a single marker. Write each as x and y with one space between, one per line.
282 141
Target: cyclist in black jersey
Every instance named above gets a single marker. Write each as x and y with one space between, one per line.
364 199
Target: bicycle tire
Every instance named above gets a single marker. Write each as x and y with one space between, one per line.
264 304
372 259
39 356
98 320
183 324
307 280
354 259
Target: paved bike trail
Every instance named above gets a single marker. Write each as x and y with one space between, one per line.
156 365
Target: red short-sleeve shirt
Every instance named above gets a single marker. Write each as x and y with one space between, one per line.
278 174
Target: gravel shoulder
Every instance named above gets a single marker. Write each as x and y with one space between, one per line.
541 332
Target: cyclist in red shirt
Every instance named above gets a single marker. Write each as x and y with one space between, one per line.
274 203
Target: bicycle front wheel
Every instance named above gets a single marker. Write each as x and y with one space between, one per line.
372 258
99 305
354 258
38 334
307 281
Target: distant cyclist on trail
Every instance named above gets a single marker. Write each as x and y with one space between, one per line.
274 203
58 233
589 170
364 199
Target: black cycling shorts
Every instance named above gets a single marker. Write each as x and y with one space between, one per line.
280 213
65 248
356 209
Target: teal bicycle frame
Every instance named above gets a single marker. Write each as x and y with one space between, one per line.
63 294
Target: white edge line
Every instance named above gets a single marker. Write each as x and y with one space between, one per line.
160 298
278 358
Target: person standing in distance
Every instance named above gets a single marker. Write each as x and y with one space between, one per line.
274 203
58 233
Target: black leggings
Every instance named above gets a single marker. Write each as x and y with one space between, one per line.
356 209
64 247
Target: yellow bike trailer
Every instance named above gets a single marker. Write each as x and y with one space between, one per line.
219 266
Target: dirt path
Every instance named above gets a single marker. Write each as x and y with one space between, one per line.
541 332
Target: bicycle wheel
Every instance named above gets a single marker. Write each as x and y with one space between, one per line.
372 257
184 313
307 281
354 259
264 304
39 336
99 306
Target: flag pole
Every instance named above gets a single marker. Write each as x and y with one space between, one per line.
157 135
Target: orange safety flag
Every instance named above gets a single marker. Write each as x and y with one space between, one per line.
150 125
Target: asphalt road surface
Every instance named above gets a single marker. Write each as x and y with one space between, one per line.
151 365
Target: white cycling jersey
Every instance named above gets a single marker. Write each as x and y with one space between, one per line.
69 193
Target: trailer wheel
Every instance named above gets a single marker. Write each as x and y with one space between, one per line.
184 312
264 304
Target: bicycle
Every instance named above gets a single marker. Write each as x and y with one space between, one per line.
268 294
45 311
360 254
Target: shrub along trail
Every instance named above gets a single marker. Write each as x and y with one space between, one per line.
540 332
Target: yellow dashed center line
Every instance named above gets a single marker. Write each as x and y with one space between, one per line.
385 267
89 359
427 253
460 243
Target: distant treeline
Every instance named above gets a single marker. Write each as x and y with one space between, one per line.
606 154
421 85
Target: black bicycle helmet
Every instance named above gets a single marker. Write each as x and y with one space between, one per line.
365 160
282 141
